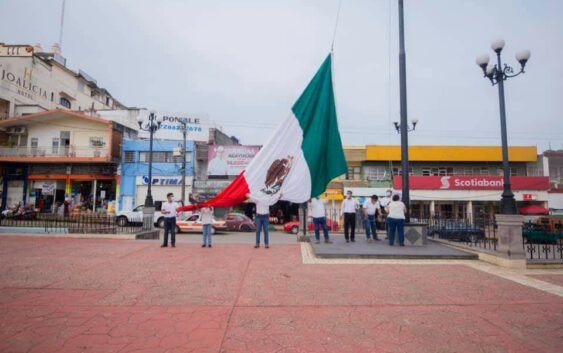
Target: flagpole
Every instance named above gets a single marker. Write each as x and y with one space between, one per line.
403 105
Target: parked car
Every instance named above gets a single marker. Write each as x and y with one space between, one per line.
239 222
123 218
293 226
456 230
193 224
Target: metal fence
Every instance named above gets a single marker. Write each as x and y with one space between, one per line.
96 223
541 244
478 233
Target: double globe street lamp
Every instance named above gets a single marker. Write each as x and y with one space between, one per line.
497 74
152 124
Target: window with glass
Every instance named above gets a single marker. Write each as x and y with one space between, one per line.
65 102
55 145
354 173
129 157
374 173
97 142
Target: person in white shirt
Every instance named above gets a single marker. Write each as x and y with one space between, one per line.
262 216
206 214
371 210
349 208
396 220
169 211
319 218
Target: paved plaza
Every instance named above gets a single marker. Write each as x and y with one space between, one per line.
102 295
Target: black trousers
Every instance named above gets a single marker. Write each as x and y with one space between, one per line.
169 227
350 224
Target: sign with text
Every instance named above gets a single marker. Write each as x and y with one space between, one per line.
476 182
172 126
229 160
163 180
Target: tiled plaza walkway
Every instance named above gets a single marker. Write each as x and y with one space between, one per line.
72 295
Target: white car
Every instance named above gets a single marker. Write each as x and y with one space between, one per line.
123 218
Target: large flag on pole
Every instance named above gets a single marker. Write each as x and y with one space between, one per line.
302 156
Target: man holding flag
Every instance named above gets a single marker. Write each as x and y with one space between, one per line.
303 155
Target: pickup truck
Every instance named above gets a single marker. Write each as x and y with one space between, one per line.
123 218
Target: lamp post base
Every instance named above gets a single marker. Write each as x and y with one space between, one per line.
508 203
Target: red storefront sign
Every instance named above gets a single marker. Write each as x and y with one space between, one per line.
476 182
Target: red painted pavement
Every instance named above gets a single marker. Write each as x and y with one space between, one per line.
69 295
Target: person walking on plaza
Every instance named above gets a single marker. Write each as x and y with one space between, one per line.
261 220
396 220
169 211
371 211
319 218
349 208
207 221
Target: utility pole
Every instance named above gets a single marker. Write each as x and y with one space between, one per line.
403 104
184 166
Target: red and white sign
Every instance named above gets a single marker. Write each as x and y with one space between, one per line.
476 182
528 197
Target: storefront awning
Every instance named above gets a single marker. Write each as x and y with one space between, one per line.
533 209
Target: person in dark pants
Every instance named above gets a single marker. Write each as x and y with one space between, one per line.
371 211
396 220
349 208
169 211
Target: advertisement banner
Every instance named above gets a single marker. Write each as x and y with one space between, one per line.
476 182
229 160
171 128
47 187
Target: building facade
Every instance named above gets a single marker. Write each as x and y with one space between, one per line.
446 181
32 81
58 154
166 171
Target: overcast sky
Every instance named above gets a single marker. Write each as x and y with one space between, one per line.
244 62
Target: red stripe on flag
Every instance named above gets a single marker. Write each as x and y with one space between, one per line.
232 195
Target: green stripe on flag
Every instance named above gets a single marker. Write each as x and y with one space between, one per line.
322 146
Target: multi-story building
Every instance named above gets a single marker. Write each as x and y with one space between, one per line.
57 154
32 81
550 163
167 171
446 181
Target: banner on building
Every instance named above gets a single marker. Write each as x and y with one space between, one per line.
229 160
473 182
171 128
47 187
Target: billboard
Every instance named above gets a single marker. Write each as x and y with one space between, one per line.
171 128
229 160
473 182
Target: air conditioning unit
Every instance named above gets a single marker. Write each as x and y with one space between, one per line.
11 130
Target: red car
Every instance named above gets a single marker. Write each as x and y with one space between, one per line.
293 227
239 222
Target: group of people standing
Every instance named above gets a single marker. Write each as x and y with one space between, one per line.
391 207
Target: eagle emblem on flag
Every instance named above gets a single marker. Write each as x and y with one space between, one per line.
276 175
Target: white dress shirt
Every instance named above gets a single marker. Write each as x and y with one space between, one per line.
370 207
318 208
349 206
170 207
397 210
206 215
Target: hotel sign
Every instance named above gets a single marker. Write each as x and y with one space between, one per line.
473 182
15 50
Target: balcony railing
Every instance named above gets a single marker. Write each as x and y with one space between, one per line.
72 152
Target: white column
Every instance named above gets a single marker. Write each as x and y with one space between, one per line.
470 211
95 184
432 209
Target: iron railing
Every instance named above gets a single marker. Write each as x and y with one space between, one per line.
95 223
540 244
54 151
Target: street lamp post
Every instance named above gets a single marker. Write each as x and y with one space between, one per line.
405 129
497 74
185 133
150 125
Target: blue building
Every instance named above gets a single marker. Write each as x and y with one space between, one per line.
166 171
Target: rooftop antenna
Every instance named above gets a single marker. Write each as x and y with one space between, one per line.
62 25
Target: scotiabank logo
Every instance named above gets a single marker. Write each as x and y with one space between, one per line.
478 183
445 182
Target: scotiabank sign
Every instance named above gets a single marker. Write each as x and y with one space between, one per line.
473 182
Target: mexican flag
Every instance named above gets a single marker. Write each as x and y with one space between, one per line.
301 157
